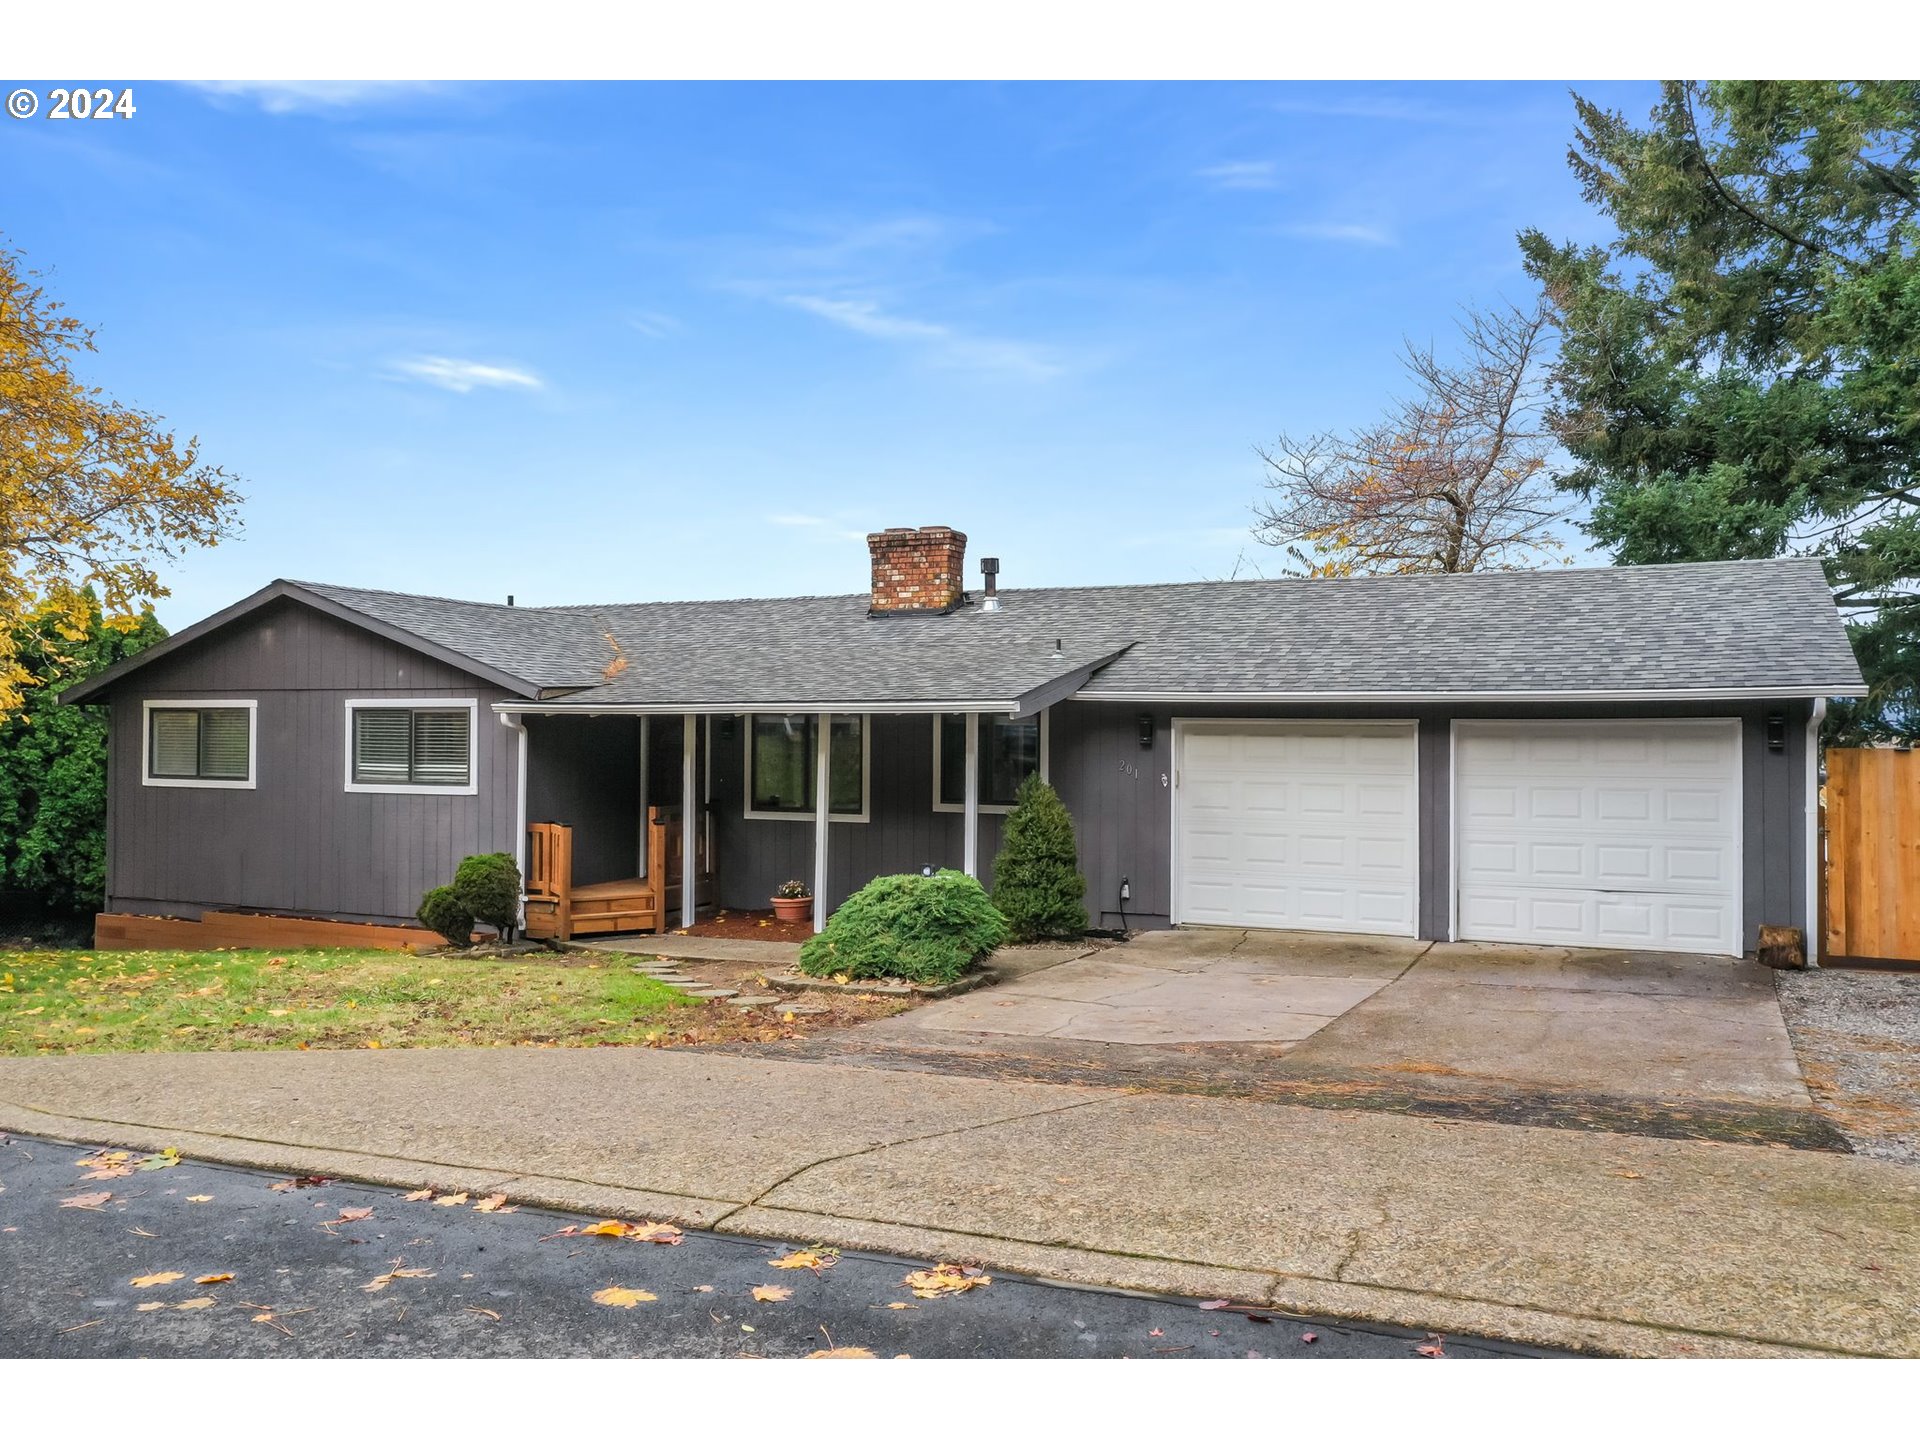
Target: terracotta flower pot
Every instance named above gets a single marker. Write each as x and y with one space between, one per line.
793 908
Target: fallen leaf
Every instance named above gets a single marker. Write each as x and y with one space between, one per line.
844 1352
615 1228
418 1195
380 1282
349 1213
901 1305
143 1234
300 1182
93 1200
808 1259
159 1277
166 1157
202 1302
495 1204
656 1232
621 1298
1155 1334
198 1199
1434 1349
457 1198
771 1294
219 1279
476 1310
1215 1304
1308 1338
703 1289
151 1305
944 1279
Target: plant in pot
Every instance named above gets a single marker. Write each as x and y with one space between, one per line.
793 901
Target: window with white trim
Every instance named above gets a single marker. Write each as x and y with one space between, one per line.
407 746
1010 750
199 743
782 762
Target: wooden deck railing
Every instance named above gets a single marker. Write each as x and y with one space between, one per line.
557 909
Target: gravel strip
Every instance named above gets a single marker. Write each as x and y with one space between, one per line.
1857 1034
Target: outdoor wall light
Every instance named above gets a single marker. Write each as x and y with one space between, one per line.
1776 732
1145 723
927 870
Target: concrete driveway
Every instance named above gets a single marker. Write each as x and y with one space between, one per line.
1643 1040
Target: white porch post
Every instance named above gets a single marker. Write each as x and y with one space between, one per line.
821 799
518 724
970 827
689 819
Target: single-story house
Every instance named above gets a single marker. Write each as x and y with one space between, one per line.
1611 757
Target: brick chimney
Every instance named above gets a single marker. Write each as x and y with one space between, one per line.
918 571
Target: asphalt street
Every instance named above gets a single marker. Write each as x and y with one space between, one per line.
80 1280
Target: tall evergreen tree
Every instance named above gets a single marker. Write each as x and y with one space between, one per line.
1739 369
1037 882
53 759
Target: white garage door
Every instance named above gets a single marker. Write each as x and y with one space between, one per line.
1624 835
1296 825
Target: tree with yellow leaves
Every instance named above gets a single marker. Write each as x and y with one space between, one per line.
1453 478
93 494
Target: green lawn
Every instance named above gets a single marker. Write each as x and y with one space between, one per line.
66 1002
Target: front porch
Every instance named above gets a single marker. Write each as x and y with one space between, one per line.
828 798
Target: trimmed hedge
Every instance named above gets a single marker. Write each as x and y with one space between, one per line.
489 886
1037 882
929 929
443 911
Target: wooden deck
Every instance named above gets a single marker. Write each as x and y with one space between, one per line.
557 909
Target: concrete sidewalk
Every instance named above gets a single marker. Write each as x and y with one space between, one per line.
1611 1242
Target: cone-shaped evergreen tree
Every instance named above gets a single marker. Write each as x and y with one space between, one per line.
1037 882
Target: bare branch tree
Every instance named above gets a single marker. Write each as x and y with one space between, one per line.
1453 478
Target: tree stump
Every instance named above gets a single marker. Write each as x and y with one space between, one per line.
1782 947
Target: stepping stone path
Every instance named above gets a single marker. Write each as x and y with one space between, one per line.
710 992
753 1002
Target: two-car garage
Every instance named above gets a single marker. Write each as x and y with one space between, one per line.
1618 834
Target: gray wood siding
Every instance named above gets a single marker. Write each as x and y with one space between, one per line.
903 831
299 843
1125 821
584 771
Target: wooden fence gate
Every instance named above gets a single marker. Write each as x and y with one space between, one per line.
1872 829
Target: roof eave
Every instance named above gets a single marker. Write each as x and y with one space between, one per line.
95 685
1411 697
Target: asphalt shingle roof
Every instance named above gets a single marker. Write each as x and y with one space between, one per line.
1758 624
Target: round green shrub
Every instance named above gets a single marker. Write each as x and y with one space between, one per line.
489 886
928 929
442 911
1037 882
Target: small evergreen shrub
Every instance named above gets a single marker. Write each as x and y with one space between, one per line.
928 929
489 886
1037 882
442 911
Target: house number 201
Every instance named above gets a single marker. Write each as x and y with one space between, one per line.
1131 771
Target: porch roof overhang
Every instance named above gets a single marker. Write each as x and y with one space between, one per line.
1014 680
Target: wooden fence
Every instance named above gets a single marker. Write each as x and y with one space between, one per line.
1872 902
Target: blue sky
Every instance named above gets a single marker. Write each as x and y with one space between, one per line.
592 342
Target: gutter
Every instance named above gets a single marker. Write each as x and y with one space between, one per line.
1816 921
519 727
1427 697
842 706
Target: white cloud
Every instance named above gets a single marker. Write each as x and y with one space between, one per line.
653 324
1241 175
942 343
463 376
285 97
1349 233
